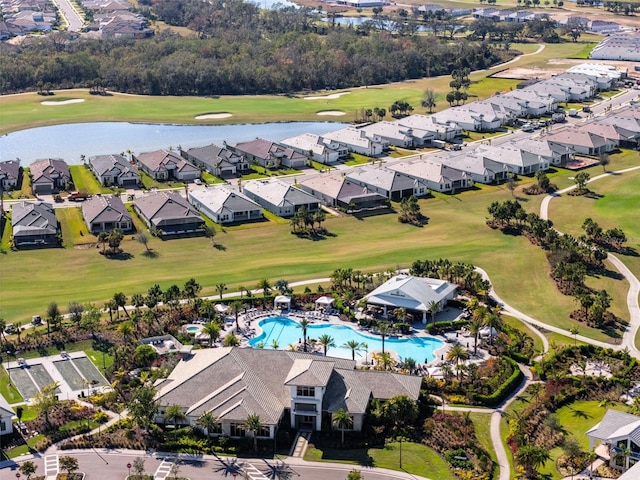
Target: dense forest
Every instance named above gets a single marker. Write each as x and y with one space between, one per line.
237 49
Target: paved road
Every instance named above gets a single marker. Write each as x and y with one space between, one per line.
73 17
112 465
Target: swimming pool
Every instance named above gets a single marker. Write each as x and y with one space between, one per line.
286 331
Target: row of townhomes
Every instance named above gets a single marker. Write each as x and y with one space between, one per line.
364 187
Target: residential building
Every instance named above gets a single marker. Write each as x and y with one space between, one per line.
391 133
435 175
622 46
114 170
600 70
6 414
536 104
167 213
234 383
617 134
166 165
320 149
417 295
222 204
542 149
219 161
580 140
336 190
10 172
103 213
358 141
49 175
621 432
270 154
480 168
519 161
628 123
393 185
426 128
34 224
467 119
279 197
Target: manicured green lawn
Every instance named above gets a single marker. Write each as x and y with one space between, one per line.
456 230
74 229
10 394
357 159
518 325
5 234
25 448
576 419
85 181
416 459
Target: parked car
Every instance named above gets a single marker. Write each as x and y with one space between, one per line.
197 181
36 320
10 329
528 127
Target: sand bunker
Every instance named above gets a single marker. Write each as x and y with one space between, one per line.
208 116
330 113
62 102
333 96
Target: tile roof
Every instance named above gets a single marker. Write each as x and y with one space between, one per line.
382 177
10 169
279 193
222 198
414 293
157 160
105 163
43 170
165 205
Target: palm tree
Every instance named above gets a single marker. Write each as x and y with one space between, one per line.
457 353
434 308
494 323
531 457
213 330
254 425
304 324
208 421
342 420
574 331
175 414
235 308
474 328
383 360
354 346
221 287
265 286
230 340
327 342
383 329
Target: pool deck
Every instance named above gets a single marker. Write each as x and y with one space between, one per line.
249 329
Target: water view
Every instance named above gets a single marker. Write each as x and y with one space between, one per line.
71 141
285 331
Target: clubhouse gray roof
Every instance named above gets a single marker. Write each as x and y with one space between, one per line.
234 383
33 218
105 208
382 177
104 163
414 293
616 425
222 198
165 205
279 193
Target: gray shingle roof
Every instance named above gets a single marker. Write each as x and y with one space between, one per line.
10 169
222 198
105 208
33 218
382 177
279 193
102 164
615 425
165 205
43 170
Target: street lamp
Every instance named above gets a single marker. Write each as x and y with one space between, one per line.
129 467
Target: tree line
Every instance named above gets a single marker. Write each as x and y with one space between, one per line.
237 59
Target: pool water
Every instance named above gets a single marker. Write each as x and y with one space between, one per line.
286 331
193 329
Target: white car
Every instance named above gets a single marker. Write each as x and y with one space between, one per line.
197 181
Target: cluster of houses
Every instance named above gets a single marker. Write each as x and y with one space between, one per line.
114 19
364 187
514 16
622 46
20 17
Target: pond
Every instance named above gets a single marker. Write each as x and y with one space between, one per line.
70 141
